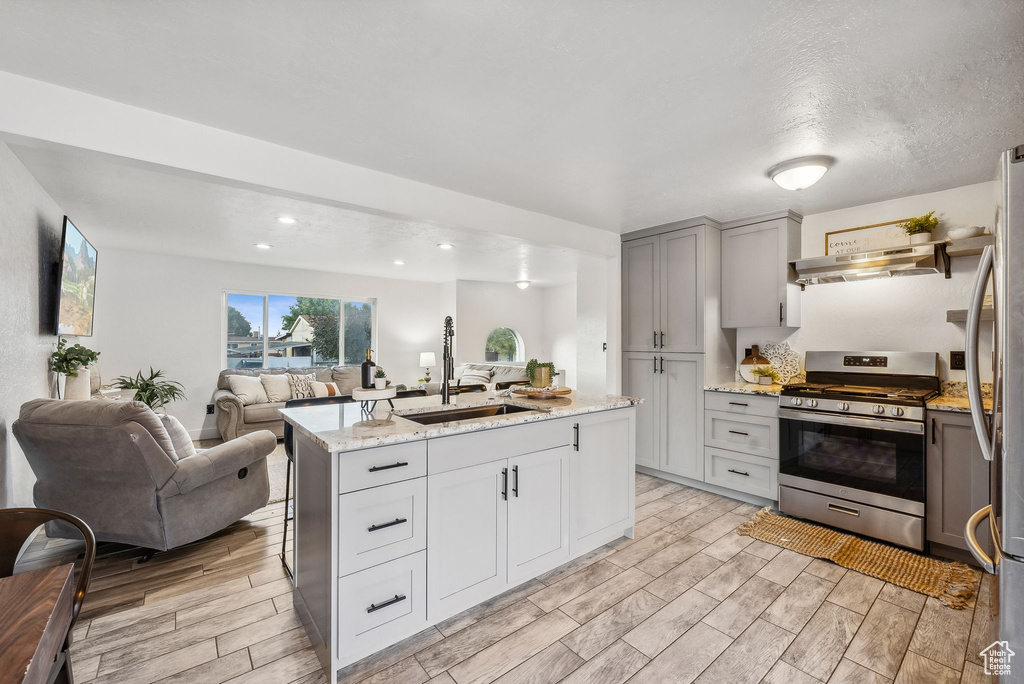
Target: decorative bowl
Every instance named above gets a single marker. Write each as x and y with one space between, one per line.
964 232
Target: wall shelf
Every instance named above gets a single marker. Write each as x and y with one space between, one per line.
969 246
960 315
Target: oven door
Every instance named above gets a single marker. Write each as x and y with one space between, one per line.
852 457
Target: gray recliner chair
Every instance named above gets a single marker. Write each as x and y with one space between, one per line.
114 465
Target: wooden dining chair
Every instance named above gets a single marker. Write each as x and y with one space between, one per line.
16 527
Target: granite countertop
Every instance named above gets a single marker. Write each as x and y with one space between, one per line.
344 427
958 404
745 388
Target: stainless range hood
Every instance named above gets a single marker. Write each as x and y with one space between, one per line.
894 261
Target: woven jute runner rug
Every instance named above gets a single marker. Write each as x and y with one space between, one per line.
952 583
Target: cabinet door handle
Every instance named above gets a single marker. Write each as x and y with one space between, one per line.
662 365
400 464
655 364
515 481
504 484
396 521
738 403
654 343
780 314
933 431
662 339
844 510
739 472
737 432
576 437
374 607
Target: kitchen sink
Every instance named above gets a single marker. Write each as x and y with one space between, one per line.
468 413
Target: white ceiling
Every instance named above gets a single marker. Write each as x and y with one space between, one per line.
138 206
617 115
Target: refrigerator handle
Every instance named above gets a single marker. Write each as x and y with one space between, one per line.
981 427
970 536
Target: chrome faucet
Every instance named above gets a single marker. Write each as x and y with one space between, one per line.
448 373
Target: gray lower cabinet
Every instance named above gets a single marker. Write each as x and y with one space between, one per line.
957 479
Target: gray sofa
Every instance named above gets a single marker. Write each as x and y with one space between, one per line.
235 419
114 465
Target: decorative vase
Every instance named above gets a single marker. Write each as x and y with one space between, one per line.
765 380
919 238
380 383
748 364
541 377
78 387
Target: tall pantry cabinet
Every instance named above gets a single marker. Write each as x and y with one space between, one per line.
672 339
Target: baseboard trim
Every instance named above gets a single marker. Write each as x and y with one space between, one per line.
204 433
714 489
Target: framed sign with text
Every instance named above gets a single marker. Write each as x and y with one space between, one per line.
866 238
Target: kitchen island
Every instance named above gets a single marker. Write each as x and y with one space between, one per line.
407 516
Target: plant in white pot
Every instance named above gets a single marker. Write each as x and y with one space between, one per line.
73 363
151 390
766 375
920 228
380 379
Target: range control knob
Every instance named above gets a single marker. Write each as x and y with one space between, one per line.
842 406
796 401
877 409
812 403
896 411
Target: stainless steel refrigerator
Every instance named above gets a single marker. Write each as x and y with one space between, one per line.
1001 434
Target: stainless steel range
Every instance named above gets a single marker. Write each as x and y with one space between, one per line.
852 443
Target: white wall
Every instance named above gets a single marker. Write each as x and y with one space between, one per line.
166 312
593 323
560 326
30 225
898 314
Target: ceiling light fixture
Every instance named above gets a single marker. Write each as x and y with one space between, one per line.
399 262
797 174
445 245
522 284
287 220
262 245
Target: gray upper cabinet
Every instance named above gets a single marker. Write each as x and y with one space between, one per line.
682 291
758 284
957 479
641 294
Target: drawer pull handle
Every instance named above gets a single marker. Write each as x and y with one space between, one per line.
738 403
374 607
844 509
400 464
739 472
737 432
382 526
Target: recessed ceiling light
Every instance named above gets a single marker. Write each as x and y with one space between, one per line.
445 245
399 262
522 284
262 245
797 174
287 220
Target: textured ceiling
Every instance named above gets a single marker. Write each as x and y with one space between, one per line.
615 114
143 207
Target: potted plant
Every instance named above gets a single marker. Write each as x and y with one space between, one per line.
766 375
380 378
920 228
151 390
540 374
73 363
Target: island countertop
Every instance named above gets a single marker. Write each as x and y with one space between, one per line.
346 427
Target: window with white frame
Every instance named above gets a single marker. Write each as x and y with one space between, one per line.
286 331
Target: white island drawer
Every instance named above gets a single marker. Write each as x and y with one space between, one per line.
742 404
750 474
381 524
755 435
381 605
381 465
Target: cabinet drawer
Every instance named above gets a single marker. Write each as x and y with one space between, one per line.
754 435
742 404
381 524
744 473
379 606
382 465
485 446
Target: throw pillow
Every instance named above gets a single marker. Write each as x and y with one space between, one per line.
475 377
278 387
248 388
183 446
302 385
326 389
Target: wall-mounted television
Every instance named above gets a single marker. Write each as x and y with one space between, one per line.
76 299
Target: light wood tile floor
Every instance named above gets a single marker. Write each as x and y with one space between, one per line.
687 600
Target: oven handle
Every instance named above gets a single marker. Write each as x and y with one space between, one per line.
854 421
